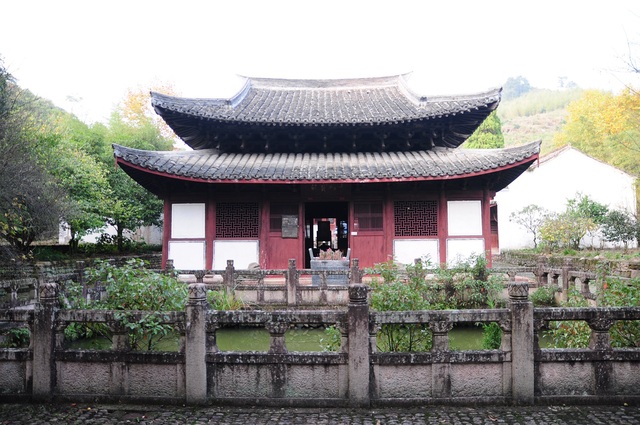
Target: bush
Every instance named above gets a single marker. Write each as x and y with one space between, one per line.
612 292
331 340
544 296
395 294
491 336
468 285
565 231
223 301
16 338
570 333
130 287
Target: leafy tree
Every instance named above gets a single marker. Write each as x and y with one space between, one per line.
605 126
565 230
584 206
136 109
531 217
619 226
488 135
130 205
581 217
30 201
515 87
84 179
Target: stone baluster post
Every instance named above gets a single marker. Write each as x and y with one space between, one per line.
600 340
522 343
199 274
43 339
356 275
196 345
505 326
169 268
441 368
344 336
358 346
292 283
212 339
584 285
277 328
13 300
566 267
80 270
229 281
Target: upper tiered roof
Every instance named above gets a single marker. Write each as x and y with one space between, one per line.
348 115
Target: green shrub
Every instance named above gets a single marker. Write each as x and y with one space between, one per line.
491 336
16 338
47 253
421 287
611 292
544 296
130 287
223 301
331 340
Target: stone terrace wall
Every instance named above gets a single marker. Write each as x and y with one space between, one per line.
520 372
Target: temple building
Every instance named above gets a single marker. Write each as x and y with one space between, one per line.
287 168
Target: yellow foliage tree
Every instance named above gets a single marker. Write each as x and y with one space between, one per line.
136 109
605 126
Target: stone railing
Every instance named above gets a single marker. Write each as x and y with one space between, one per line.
291 287
281 288
519 372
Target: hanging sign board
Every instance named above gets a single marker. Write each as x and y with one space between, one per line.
290 226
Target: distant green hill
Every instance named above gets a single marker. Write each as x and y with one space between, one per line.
536 115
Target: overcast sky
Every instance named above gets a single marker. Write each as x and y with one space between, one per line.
94 51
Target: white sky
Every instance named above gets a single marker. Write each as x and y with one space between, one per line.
95 50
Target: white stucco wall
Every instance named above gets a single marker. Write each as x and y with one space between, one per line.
560 176
149 234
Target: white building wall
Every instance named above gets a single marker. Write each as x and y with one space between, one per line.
559 177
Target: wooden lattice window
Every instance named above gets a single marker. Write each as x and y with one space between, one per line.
237 220
368 215
277 211
415 218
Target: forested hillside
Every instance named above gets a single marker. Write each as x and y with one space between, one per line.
535 115
603 125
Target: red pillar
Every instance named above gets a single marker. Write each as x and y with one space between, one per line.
209 232
166 232
443 226
486 224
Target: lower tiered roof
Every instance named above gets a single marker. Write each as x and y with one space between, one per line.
156 170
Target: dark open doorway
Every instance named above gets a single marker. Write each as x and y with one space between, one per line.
325 226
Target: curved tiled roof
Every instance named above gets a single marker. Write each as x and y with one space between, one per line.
211 166
372 105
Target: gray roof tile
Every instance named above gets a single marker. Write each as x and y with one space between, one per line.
326 107
212 166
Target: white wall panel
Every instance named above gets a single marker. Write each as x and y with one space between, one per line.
461 249
187 221
242 253
405 251
464 218
187 255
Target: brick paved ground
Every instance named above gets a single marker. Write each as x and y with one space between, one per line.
43 414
